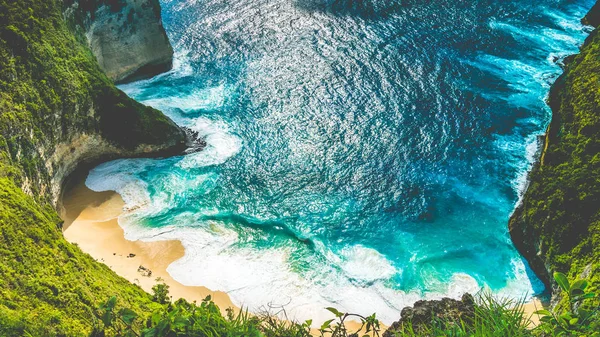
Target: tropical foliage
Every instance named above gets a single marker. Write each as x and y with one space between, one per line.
51 90
581 315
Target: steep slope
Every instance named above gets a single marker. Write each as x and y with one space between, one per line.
127 36
557 226
57 111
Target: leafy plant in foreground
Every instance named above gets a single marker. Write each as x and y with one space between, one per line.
120 322
160 292
182 318
580 318
492 317
369 325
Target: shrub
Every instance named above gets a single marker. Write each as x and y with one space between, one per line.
580 317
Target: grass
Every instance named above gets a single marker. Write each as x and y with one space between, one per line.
51 90
493 317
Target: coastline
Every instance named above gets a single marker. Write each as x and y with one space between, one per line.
91 222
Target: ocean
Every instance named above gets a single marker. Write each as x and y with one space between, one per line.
361 154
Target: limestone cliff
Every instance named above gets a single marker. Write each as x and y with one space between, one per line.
557 225
57 109
126 36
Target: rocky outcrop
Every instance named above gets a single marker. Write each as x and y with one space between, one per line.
557 225
425 314
126 36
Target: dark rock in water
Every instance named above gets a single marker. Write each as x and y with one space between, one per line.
194 142
427 313
562 62
567 60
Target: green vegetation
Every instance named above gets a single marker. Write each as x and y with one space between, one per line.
51 90
49 287
492 317
184 319
580 318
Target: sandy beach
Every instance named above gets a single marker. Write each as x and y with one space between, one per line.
530 307
91 221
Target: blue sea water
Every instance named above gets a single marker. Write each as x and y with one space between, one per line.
361 154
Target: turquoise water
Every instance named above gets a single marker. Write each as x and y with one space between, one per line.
360 154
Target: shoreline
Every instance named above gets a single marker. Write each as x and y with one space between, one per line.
91 222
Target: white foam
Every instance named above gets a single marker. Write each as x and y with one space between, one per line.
355 280
182 66
257 279
511 144
199 99
119 175
531 151
567 22
365 264
519 285
220 144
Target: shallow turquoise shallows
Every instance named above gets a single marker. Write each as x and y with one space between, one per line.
360 154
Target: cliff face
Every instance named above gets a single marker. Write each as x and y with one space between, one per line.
58 110
557 226
126 36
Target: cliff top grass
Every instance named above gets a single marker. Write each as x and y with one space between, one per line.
48 286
